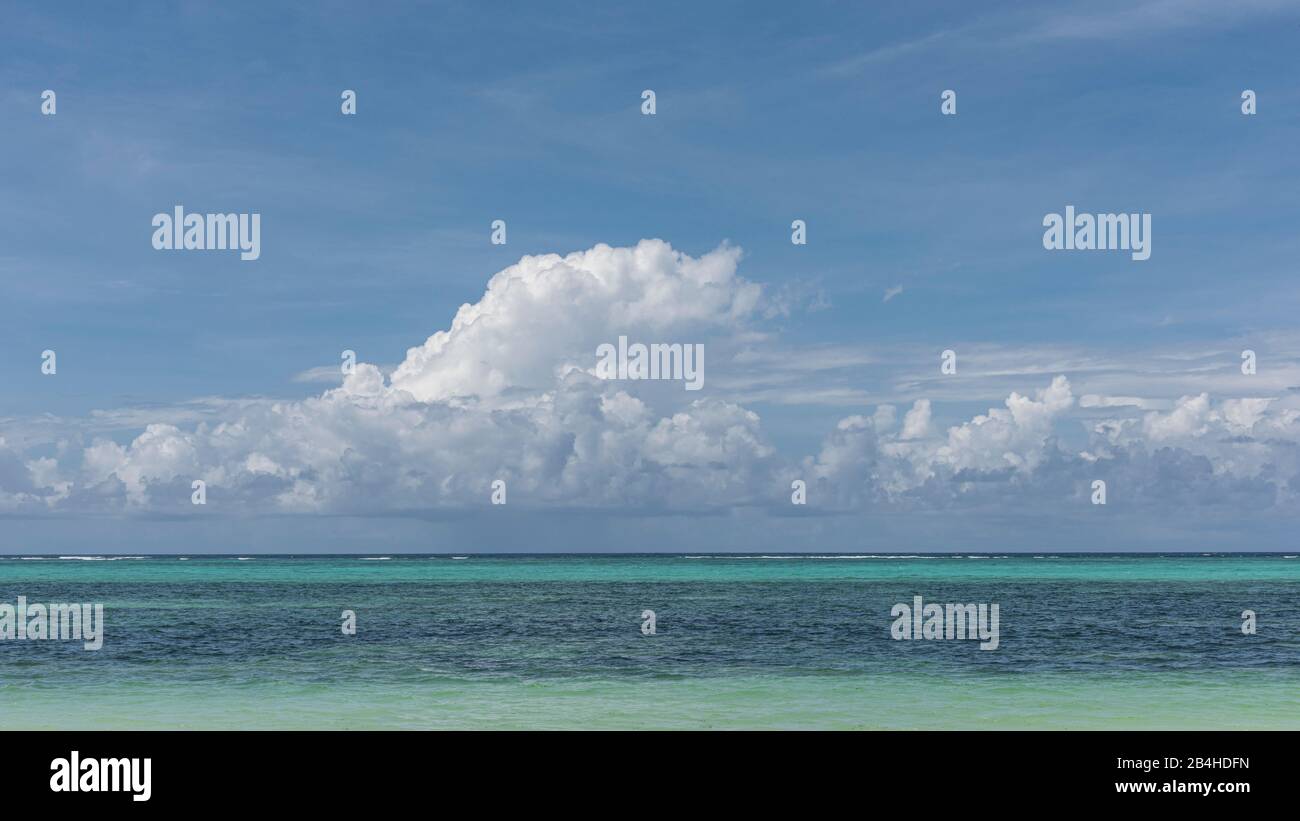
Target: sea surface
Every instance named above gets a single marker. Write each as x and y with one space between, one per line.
1093 641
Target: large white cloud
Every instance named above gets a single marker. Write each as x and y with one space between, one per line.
509 392
546 314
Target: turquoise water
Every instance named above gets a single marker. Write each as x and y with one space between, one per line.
1092 641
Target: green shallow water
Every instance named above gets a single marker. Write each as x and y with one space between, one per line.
850 702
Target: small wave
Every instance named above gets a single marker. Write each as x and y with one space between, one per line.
243 559
879 557
833 556
460 557
376 558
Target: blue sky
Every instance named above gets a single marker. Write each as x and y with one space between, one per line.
375 231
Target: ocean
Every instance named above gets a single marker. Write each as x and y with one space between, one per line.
1086 641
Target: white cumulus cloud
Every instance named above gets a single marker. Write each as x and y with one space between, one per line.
508 391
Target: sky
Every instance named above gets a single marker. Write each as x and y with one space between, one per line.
477 360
